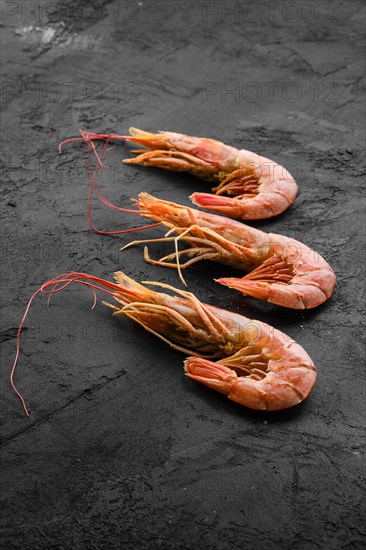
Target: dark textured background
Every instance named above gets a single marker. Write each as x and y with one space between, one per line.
120 450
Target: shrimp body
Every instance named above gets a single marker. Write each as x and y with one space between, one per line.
282 270
251 362
249 186
258 366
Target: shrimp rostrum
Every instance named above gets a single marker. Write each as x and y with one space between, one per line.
248 186
249 361
282 270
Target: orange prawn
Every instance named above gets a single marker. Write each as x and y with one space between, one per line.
249 361
249 186
282 270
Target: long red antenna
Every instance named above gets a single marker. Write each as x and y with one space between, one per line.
56 285
88 138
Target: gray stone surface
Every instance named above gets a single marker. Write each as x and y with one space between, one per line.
120 450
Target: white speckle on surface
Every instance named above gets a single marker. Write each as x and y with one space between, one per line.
36 34
47 35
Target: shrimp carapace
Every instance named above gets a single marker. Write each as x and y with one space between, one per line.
251 362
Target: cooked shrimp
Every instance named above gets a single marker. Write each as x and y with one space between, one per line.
250 187
283 271
256 365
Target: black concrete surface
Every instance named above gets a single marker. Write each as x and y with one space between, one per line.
120 450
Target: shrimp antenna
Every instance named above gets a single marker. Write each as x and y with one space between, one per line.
57 284
88 138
